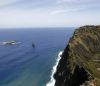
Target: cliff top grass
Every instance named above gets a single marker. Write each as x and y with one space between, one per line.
80 62
85 48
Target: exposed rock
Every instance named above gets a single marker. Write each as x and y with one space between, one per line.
80 62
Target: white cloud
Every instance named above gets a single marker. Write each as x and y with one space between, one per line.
70 13
64 1
44 19
65 6
57 12
65 11
73 3
30 19
62 11
6 2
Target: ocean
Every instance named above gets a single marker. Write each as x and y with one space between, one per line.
23 65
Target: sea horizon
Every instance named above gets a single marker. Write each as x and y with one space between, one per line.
37 28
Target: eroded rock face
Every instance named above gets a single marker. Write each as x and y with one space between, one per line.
80 62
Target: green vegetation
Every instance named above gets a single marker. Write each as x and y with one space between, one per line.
80 61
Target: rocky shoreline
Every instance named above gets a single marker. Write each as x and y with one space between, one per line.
80 61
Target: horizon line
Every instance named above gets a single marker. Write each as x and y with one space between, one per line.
33 27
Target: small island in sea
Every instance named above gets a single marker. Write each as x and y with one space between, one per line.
11 42
80 61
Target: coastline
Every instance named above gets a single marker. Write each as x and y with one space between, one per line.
52 81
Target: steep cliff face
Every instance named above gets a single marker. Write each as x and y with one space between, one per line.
80 62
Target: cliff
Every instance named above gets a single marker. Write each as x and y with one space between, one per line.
80 61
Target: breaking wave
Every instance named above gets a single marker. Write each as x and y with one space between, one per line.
52 80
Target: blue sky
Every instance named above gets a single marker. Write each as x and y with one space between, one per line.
49 13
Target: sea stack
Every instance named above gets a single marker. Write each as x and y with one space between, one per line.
33 45
80 61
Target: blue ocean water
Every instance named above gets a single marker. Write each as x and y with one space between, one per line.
23 65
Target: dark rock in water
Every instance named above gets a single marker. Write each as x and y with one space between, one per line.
33 45
61 55
80 61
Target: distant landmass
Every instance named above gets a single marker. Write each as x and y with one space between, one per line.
80 61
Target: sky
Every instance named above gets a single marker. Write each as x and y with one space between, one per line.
49 13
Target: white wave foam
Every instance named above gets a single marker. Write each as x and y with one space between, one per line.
52 80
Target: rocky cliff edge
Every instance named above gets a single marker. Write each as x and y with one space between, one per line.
80 61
